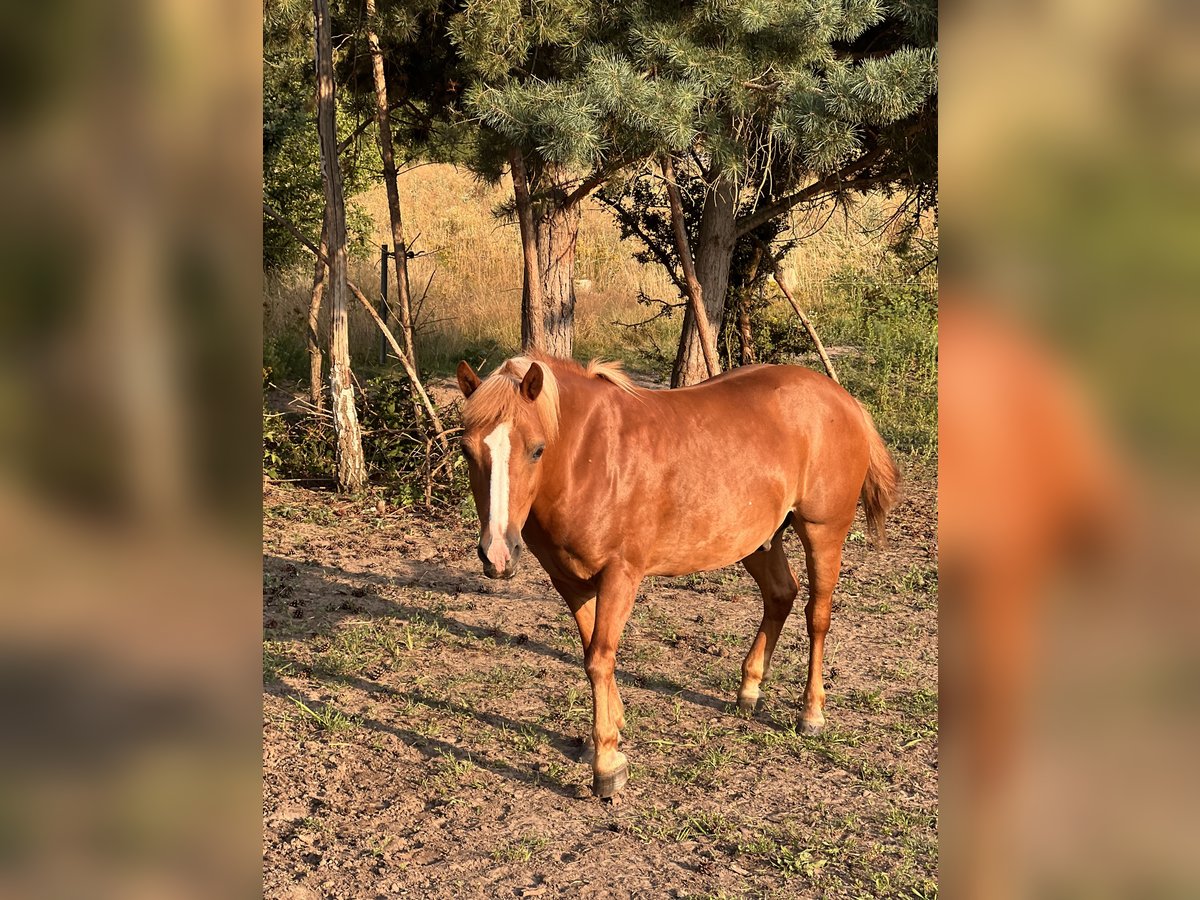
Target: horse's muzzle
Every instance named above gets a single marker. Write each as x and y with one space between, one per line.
502 564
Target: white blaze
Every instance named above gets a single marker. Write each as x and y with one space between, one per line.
498 443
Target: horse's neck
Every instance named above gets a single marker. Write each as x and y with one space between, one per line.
579 429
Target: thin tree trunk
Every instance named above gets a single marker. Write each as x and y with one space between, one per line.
533 328
316 393
695 293
714 256
351 469
383 121
557 237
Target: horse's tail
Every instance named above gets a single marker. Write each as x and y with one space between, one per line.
881 489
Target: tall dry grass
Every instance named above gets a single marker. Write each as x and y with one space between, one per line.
470 261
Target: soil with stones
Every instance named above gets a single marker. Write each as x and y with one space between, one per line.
423 726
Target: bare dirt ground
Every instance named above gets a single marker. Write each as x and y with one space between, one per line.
423 725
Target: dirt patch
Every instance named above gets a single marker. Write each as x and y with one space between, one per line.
423 725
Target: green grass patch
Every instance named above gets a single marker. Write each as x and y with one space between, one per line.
522 850
324 717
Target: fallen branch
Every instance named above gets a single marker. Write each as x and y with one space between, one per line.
804 320
413 377
695 294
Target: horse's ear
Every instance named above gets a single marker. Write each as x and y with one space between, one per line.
531 384
467 379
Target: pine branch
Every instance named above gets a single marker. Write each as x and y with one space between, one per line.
597 178
631 222
832 182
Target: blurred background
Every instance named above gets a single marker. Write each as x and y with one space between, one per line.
130 160
1068 424
129 470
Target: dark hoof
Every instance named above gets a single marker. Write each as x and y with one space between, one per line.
811 729
747 705
607 785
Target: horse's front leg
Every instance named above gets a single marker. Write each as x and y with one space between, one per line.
614 602
581 600
584 611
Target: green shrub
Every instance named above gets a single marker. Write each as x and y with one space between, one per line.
285 358
395 444
296 447
892 321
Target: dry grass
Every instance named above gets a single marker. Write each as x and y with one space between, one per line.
473 302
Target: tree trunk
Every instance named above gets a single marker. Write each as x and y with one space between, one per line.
692 287
745 337
549 235
351 469
383 122
533 327
557 235
316 393
714 256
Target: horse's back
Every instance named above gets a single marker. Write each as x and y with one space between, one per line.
793 401
735 454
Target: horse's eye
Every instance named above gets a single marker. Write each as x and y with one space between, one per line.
537 453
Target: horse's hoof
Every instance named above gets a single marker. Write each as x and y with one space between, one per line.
605 786
747 705
811 729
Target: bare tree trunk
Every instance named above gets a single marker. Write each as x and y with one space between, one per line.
714 256
351 469
316 393
383 121
533 329
695 291
549 234
557 236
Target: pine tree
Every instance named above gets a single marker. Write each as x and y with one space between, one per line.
798 102
563 111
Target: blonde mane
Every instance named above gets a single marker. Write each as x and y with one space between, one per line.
611 371
498 397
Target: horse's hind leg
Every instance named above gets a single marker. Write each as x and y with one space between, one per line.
823 552
771 571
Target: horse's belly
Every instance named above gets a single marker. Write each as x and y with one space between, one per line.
705 539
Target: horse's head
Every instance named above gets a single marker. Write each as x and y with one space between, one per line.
508 419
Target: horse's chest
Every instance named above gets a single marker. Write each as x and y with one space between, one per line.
562 558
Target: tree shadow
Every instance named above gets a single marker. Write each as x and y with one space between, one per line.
451 582
431 748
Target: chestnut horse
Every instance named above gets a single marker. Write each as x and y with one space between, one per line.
607 483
